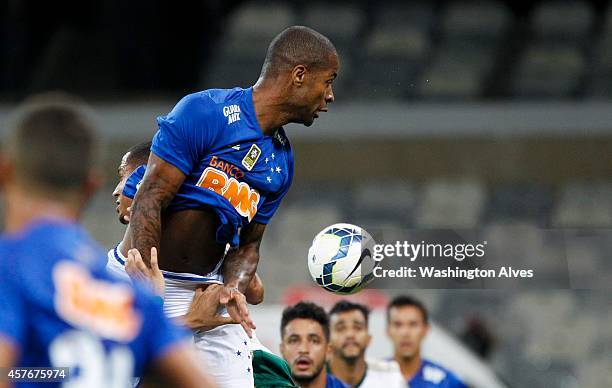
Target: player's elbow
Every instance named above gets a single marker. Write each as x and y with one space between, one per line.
255 292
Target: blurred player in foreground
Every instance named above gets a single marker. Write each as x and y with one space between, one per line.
349 339
219 168
268 369
59 307
407 326
305 344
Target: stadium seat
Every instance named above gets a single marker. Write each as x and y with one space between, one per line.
549 71
240 55
473 20
459 70
570 21
341 23
248 36
600 79
584 205
384 201
450 204
395 51
520 202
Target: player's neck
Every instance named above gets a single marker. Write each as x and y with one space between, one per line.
270 109
24 208
125 244
409 366
350 373
318 382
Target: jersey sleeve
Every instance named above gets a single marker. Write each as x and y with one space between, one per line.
133 181
162 334
12 303
455 382
185 134
272 202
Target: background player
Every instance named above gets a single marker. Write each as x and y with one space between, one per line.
305 344
59 307
349 339
220 166
407 326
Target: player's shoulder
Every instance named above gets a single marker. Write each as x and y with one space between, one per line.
437 373
385 366
205 103
57 240
223 96
334 382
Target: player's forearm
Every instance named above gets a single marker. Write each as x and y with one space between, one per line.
255 291
239 267
145 223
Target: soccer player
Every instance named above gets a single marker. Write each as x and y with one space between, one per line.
305 345
407 326
59 307
349 339
220 165
268 369
130 172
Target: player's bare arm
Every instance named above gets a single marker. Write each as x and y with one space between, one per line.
238 270
241 263
159 185
255 292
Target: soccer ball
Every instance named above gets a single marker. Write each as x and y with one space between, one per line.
340 258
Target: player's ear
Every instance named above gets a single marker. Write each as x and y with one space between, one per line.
298 75
6 171
281 348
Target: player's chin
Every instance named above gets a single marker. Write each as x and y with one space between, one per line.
123 219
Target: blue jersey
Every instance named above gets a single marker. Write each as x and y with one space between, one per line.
62 309
431 375
214 138
334 382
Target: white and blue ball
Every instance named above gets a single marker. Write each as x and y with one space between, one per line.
340 258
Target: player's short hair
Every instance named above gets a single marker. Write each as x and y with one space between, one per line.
405 300
305 310
297 45
139 154
345 306
52 143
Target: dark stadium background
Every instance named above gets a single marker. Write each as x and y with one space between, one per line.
487 115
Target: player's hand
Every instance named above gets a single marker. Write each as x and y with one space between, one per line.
203 313
236 305
138 270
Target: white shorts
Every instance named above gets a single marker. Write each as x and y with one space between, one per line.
225 349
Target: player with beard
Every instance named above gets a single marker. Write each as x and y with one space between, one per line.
219 168
407 326
305 344
349 339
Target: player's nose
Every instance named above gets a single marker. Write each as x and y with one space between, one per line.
329 97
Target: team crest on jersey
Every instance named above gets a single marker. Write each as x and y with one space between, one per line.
251 157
